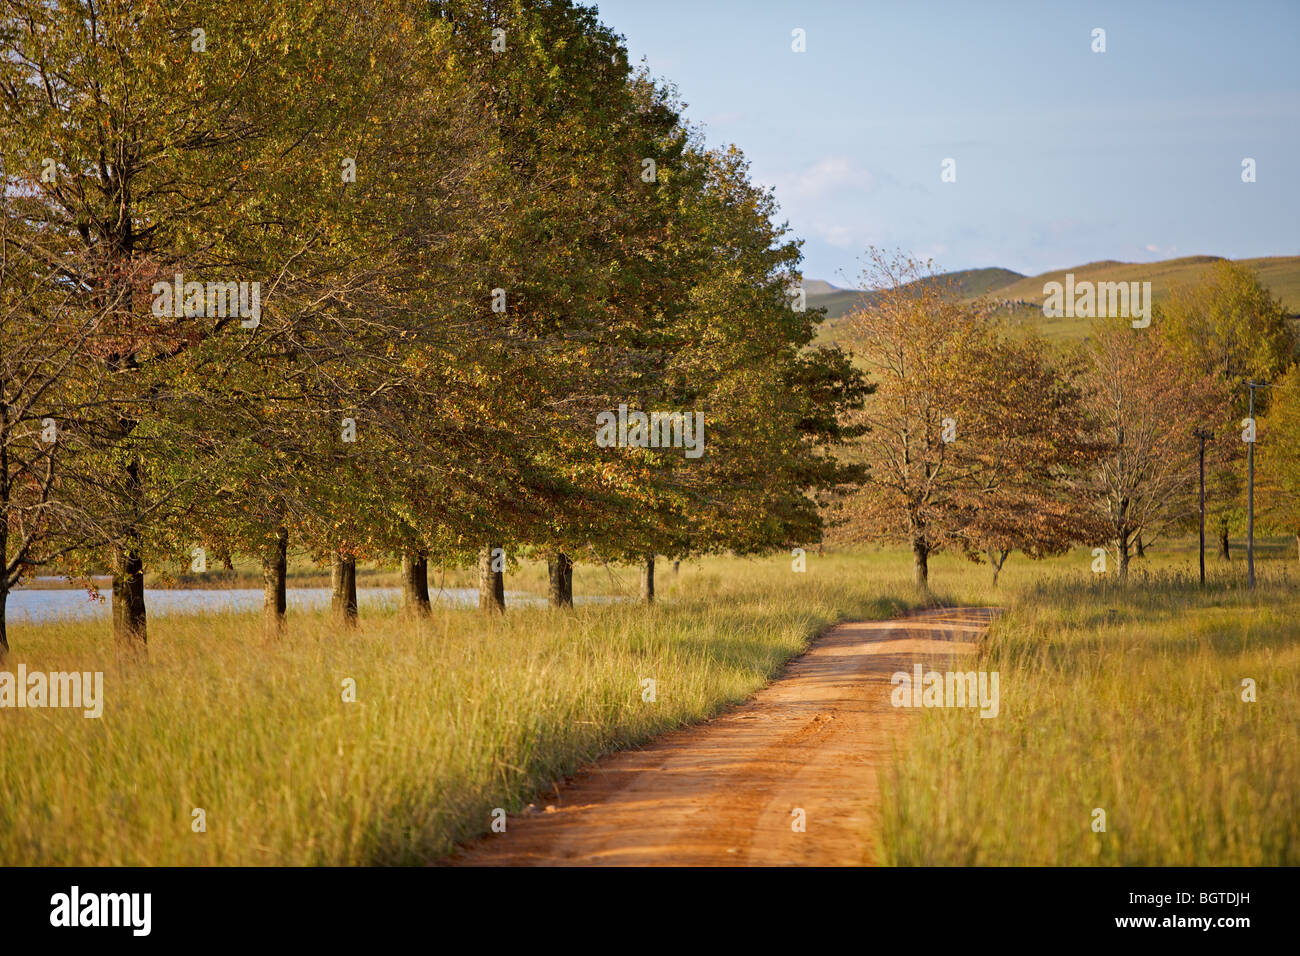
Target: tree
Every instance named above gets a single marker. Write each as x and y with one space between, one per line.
366 373
1029 473
1229 326
137 161
727 351
1146 406
968 436
1278 449
50 388
555 84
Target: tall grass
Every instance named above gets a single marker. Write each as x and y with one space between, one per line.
1124 699
1127 700
454 716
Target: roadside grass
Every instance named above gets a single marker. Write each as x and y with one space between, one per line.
454 716
1127 700
1124 699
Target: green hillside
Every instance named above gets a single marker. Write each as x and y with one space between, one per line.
969 282
1023 295
1279 273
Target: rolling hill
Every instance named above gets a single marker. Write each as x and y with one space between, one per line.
969 282
1023 295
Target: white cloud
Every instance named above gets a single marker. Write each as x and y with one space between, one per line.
841 237
826 176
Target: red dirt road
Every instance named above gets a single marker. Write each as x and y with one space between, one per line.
722 793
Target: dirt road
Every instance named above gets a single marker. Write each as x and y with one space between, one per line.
722 793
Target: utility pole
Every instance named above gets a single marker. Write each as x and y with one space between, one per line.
1250 487
1203 435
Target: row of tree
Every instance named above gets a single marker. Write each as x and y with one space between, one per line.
361 278
986 440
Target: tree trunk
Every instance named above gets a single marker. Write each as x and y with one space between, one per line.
648 580
275 570
422 584
1141 548
129 625
343 587
1297 556
415 585
1223 541
1123 557
4 631
677 563
491 584
560 570
920 562
996 560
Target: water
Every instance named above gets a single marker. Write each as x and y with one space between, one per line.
35 606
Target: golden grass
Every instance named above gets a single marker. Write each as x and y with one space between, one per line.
1123 699
1127 700
454 716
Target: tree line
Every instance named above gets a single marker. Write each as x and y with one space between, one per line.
360 279
373 283
985 440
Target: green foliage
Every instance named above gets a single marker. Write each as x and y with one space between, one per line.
462 263
1278 456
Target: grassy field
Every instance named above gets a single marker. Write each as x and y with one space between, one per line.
1128 700
1125 700
454 716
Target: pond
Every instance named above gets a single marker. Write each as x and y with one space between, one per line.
35 605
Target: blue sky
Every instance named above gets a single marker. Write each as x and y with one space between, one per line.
1063 155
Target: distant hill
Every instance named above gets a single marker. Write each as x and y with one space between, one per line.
1280 273
968 282
975 282
1024 294
820 287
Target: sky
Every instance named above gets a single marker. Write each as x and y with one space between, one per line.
1062 155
